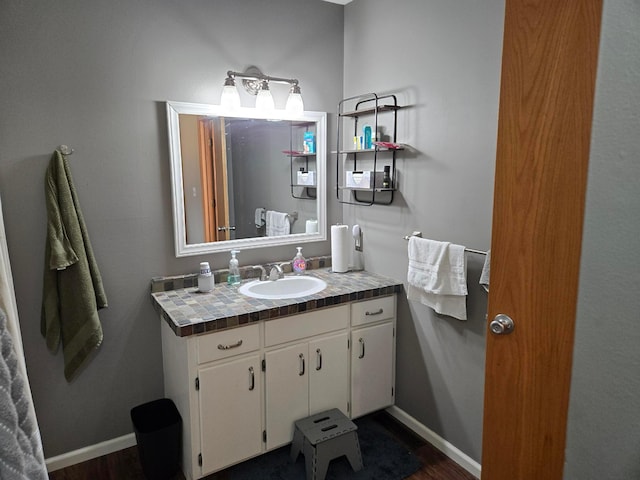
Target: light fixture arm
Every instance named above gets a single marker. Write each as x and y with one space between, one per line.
262 77
253 78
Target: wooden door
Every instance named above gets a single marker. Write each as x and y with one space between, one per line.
546 102
213 175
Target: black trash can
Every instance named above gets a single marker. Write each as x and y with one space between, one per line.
158 429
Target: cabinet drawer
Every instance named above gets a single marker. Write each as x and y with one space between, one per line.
287 329
214 346
374 310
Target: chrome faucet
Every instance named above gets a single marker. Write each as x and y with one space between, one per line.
276 271
263 272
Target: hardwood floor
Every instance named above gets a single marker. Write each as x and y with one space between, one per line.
124 465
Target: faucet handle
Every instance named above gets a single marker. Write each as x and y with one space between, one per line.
263 272
276 272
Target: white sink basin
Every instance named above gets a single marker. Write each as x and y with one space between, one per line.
287 287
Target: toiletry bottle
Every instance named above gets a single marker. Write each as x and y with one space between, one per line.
386 178
309 142
205 278
299 263
233 278
366 133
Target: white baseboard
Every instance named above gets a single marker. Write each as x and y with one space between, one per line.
90 452
466 462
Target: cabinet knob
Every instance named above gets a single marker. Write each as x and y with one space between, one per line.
318 359
361 341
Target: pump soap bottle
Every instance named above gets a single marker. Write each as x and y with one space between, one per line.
233 278
299 263
205 278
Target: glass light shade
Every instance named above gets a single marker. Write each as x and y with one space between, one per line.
295 105
230 97
264 100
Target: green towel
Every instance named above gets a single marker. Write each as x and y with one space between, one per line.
72 287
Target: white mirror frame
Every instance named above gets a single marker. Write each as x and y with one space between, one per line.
182 248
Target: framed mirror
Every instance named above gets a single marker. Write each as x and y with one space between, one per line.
241 179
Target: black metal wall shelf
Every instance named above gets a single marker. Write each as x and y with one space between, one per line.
370 104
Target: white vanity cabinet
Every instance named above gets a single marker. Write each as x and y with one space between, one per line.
240 390
306 369
372 355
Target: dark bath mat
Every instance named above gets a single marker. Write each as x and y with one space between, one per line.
383 457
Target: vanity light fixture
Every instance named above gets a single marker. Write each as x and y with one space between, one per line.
257 83
230 97
294 102
264 100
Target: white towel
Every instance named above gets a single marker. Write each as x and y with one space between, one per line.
260 212
277 224
486 271
437 276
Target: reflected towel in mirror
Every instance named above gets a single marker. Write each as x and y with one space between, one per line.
260 215
277 224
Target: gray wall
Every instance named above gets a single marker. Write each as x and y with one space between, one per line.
603 434
443 59
95 75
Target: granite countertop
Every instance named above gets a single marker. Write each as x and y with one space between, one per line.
189 312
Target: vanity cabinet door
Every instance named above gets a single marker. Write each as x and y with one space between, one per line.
286 391
372 368
329 374
230 412
303 379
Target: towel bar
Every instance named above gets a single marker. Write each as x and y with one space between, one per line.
470 250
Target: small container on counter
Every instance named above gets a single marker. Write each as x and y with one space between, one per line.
206 281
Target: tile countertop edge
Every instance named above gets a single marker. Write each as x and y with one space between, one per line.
188 312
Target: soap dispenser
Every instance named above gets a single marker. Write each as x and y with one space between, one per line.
233 278
299 263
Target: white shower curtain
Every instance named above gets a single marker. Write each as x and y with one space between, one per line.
21 454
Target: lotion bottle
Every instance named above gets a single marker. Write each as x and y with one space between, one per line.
299 263
233 278
205 278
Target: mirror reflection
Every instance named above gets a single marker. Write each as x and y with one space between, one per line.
242 180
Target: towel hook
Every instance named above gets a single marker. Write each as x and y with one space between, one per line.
65 149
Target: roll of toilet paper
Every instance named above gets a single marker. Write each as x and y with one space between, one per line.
311 226
340 248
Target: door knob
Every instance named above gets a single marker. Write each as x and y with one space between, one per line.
501 324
